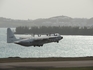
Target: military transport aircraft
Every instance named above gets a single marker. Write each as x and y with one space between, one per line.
39 41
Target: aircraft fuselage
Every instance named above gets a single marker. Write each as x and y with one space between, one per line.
39 42
36 41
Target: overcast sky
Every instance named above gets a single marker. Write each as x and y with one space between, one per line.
34 9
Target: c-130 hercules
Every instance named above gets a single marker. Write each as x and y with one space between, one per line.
32 41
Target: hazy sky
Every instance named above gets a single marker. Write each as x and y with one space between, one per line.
33 9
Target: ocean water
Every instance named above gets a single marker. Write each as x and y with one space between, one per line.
69 46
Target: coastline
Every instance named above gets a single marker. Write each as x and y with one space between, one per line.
18 59
80 63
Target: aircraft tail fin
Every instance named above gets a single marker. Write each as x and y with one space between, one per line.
10 36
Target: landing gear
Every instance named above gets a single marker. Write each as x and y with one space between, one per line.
41 44
57 41
38 45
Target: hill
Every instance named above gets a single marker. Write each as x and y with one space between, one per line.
53 21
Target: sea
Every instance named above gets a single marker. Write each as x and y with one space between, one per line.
69 46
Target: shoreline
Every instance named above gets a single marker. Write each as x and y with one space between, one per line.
53 63
18 59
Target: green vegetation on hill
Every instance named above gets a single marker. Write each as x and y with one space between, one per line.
63 30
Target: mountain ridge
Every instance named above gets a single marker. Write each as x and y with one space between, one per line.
52 21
